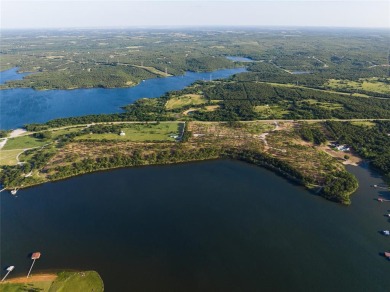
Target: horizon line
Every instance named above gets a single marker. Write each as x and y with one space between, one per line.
193 26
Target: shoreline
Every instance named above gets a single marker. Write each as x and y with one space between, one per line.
230 156
64 280
31 279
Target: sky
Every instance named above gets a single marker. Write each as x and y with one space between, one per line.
161 13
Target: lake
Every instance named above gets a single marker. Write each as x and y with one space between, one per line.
240 59
208 226
11 74
21 106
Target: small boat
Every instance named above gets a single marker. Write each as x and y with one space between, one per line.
386 232
387 254
388 215
14 191
35 255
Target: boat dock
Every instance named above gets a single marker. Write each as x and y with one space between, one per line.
34 256
9 270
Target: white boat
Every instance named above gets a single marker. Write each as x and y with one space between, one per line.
386 232
14 191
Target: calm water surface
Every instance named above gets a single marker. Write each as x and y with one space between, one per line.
240 59
22 106
11 74
210 226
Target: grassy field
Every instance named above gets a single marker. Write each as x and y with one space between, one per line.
57 133
18 287
139 133
23 143
364 124
64 282
271 111
8 157
153 70
290 85
77 282
185 100
367 84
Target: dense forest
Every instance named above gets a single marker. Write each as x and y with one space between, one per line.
245 101
117 58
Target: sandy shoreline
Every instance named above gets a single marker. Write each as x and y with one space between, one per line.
17 133
32 279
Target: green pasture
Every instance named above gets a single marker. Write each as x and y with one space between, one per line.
366 84
185 100
23 142
139 133
65 282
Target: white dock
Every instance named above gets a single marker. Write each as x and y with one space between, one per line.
9 270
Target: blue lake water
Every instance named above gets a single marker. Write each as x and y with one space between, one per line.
239 59
11 74
21 106
210 226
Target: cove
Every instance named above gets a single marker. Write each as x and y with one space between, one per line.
208 226
22 106
11 74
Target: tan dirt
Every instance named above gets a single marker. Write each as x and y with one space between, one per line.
353 159
32 279
17 133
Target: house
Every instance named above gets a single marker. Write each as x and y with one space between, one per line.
343 148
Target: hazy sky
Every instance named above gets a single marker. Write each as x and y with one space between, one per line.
129 13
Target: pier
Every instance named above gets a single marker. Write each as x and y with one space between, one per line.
34 256
9 270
